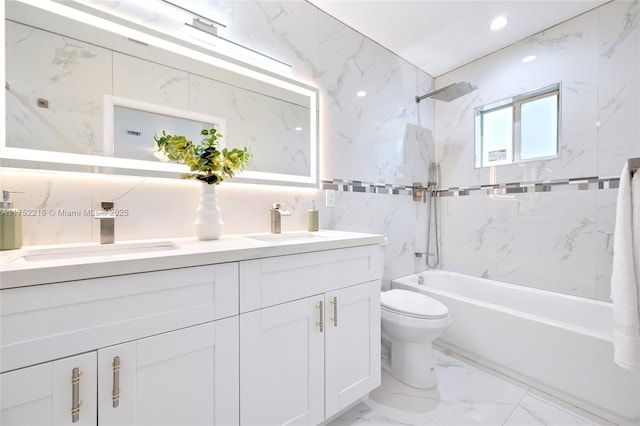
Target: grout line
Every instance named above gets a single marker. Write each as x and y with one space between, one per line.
517 405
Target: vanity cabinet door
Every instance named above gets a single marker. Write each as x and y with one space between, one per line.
117 384
185 377
282 359
46 394
352 344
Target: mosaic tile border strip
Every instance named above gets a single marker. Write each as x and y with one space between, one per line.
368 187
580 184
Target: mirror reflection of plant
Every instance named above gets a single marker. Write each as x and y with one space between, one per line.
209 164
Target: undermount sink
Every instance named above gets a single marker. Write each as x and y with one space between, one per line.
61 253
289 237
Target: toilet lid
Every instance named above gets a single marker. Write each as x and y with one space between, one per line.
413 304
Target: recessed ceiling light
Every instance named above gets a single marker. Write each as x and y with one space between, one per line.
298 129
498 23
528 59
361 94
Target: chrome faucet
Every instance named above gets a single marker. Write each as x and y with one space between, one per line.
107 222
277 211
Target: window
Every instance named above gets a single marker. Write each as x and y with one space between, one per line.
521 128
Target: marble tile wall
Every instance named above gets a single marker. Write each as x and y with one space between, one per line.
384 137
558 241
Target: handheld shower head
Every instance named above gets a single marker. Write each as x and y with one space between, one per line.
450 92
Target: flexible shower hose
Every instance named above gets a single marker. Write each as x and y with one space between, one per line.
433 207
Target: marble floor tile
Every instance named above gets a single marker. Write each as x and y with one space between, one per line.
468 394
534 411
370 412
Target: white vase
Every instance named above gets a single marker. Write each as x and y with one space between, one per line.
208 224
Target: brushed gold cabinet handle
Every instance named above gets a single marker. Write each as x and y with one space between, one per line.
334 318
116 382
320 324
75 394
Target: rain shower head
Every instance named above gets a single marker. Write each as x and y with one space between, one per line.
450 92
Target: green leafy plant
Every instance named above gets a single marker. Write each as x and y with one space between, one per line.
207 162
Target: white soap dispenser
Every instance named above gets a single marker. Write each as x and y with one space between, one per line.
312 217
10 224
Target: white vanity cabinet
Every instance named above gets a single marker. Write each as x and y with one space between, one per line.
258 333
173 336
309 334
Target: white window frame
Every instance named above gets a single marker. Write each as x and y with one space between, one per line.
516 102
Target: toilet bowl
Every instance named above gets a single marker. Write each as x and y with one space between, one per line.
410 322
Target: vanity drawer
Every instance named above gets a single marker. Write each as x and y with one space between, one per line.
270 281
41 323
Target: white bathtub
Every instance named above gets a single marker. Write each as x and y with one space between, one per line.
557 343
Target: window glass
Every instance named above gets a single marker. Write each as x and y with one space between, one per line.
539 128
497 136
517 129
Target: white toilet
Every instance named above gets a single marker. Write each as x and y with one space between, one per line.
410 322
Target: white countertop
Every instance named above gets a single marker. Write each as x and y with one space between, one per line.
16 271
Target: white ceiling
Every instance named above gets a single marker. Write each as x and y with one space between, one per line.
439 35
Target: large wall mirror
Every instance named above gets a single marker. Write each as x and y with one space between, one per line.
87 92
